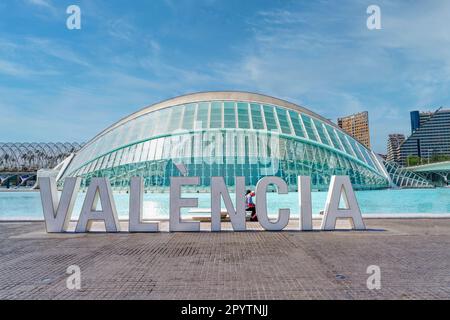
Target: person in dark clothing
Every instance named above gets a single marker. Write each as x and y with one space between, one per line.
250 205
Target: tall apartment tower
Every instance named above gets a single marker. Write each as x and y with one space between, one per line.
430 135
357 125
393 147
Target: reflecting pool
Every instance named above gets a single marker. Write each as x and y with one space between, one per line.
27 205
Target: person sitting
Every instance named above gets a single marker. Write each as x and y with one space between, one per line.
250 205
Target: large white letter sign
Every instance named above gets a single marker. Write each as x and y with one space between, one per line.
261 204
137 208
219 191
176 203
341 185
57 214
99 189
304 201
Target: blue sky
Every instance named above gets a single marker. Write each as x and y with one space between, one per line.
67 85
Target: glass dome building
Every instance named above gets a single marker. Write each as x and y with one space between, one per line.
226 134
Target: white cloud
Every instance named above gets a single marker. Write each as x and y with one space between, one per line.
44 9
55 49
12 69
22 71
331 63
30 58
41 3
318 55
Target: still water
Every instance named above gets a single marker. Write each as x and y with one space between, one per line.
27 205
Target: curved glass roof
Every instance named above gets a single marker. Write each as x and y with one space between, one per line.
211 111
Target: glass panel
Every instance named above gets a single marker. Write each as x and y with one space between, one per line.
185 149
123 156
116 138
252 145
240 145
159 149
92 152
202 115
98 163
282 118
321 132
188 118
175 119
134 130
105 161
91 166
355 149
131 132
131 153
197 152
118 157
333 137
308 127
161 122
106 141
167 148
296 124
111 159
344 142
244 122
256 116
148 126
145 151
270 118
262 146
138 152
151 153
367 156
142 129
216 115
229 115
85 169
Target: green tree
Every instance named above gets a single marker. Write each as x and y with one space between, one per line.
413 161
439 158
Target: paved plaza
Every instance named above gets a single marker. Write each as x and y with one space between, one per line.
413 255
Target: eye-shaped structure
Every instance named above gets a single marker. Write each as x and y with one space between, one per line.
226 134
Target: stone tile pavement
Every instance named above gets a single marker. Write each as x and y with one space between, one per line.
413 255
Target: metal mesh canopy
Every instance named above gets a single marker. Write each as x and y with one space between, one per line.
30 157
226 134
406 178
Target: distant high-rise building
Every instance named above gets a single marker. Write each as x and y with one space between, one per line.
415 120
430 135
393 147
357 125
419 118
